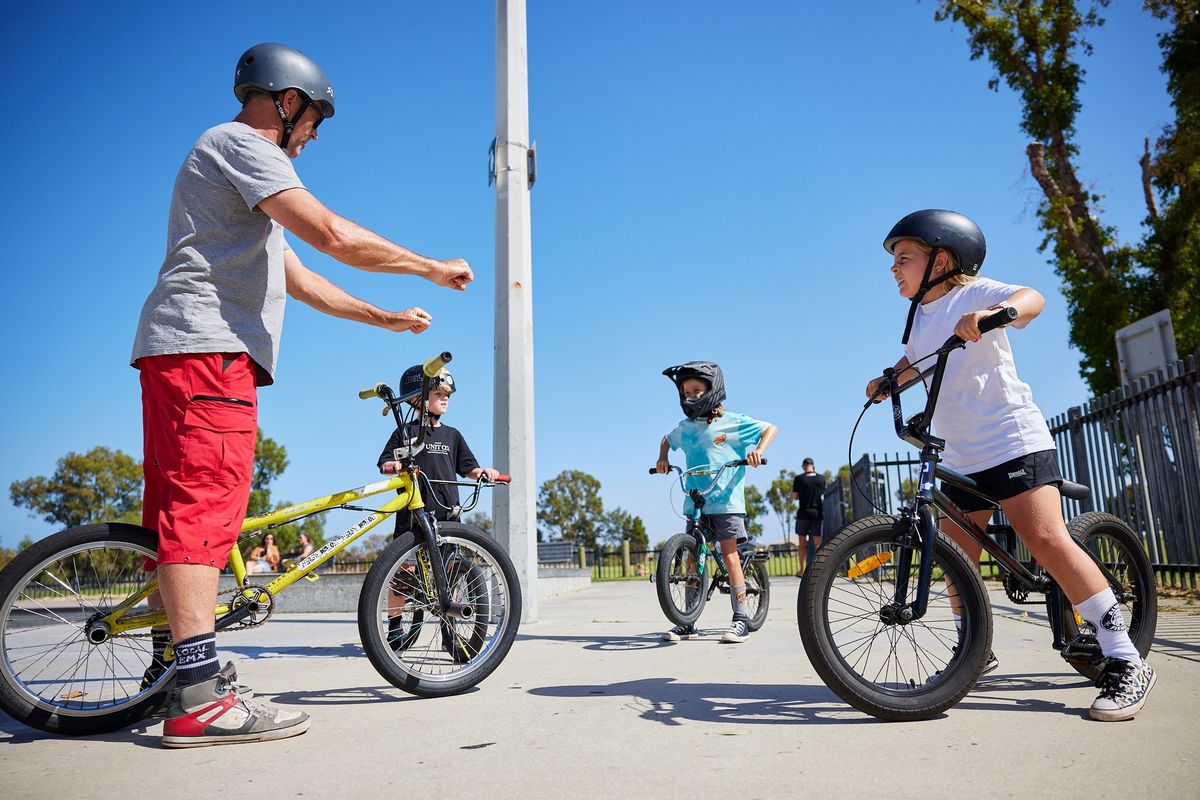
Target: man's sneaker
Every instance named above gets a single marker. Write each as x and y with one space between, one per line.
739 630
681 632
213 712
1123 690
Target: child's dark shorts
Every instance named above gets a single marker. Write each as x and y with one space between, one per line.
1007 480
728 527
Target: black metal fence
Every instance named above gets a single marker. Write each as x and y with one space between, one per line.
1138 448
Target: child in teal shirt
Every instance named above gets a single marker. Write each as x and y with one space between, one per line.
712 435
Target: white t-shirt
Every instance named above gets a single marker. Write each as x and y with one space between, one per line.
985 412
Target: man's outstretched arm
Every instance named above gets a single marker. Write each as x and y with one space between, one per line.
301 213
322 294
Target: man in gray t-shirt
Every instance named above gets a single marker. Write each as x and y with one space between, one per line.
209 335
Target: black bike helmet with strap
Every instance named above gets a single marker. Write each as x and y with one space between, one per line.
275 68
704 406
941 230
410 383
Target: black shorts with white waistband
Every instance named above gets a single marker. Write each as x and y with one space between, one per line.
1006 480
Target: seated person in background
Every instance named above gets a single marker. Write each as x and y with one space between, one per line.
264 558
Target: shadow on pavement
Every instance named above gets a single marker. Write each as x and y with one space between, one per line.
665 701
637 642
348 696
253 652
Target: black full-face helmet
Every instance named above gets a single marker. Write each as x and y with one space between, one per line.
410 383
941 230
704 406
275 68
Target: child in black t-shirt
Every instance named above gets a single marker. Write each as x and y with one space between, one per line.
446 454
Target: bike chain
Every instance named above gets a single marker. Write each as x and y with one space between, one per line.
253 622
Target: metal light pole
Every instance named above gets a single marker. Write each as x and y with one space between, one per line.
513 169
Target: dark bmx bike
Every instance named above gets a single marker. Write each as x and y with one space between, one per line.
877 607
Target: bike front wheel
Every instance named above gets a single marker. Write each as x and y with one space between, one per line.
853 631
681 579
60 670
1114 546
758 592
407 636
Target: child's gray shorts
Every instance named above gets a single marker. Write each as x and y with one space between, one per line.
728 526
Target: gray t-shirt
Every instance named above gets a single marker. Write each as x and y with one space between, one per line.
222 287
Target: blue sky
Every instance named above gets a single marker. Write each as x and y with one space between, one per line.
712 185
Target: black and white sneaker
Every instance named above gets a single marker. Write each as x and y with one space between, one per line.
1123 690
681 632
739 630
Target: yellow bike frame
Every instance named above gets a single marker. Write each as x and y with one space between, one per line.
408 497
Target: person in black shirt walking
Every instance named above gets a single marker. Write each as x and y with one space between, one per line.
809 489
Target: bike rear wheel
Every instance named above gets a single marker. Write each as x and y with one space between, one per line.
440 654
59 672
681 580
1113 544
890 670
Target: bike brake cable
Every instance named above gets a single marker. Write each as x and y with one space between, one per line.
854 430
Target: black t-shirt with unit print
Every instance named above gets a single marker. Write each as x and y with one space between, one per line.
446 457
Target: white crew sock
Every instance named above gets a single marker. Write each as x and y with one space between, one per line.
1102 611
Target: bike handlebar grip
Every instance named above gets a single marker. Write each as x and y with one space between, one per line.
504 479
1002 317
434 365
367 394
654 470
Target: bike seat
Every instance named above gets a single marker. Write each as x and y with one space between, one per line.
1074 491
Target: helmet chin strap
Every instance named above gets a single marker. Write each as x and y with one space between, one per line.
289 125
926 285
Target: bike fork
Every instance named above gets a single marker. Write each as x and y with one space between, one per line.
431 564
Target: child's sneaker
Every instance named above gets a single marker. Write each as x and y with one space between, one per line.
681 632
1123 690
988 666
400 637
739 630
213 712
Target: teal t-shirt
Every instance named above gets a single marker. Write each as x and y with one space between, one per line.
728 437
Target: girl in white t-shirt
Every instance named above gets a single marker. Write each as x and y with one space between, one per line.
994 432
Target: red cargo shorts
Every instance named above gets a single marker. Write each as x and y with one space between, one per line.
199 421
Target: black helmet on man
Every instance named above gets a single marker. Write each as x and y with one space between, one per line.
947 230
275 68
410 383
941 230
704 406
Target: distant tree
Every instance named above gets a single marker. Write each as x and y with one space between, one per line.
270 461
569 506
619 524
756 508
1034 48
481 520
779 497
99 485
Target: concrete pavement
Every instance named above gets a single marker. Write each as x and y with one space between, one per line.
590 702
